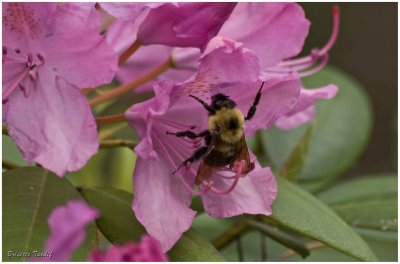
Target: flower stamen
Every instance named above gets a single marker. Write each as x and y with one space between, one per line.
238 168
303 63
193 191
28 70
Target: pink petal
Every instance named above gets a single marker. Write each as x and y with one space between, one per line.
140 116
225 60
240 67
148 249
86 61
161 202
72 18
22 31
274 31
53 126
278 98
253 194
304 109
67 225
296 119
121 34
184 24
127 11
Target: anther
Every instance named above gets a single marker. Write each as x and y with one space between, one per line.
315 54
30 59
18 51
4 50
32 74
23 89
40 57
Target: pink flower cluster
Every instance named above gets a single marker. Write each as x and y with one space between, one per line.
52 51
67 224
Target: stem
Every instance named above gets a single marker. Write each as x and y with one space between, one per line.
106 120
9 165
132 85
106 133
310 246
230 235
280 236
239 248
263 242
127 53
115 143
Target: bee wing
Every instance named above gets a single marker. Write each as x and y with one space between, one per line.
203 173
243 154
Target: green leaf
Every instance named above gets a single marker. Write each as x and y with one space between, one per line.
282 237
300 211
368 202
11 152
117 221
29 196
192 247
292 167
342 129
118 224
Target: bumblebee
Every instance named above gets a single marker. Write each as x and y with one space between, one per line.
225 142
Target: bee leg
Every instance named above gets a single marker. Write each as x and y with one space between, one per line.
253 108
198 154
204 104
189 134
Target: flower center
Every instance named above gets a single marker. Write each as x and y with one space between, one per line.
177 149
19 70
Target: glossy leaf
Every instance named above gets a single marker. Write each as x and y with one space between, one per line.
302 212
29 196
342 129
117 221
282 237
292 167
193 247
367 203
11 152
118 224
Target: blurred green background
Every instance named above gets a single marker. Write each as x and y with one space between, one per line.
367 50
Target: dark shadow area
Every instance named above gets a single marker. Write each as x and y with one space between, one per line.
367 50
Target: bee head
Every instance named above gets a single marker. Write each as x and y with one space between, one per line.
219 101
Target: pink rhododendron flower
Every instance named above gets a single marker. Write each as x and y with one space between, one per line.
274 31
174 24
304 111
162 200
148 249
190 30
67 224
49 52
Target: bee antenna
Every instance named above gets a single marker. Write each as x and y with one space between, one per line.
262 85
